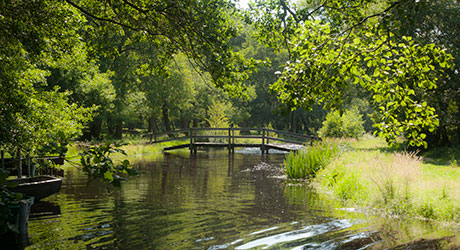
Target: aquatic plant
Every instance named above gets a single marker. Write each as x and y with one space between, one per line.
306 162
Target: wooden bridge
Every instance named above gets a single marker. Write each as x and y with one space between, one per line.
232 138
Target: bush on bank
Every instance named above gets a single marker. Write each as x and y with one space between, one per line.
346 125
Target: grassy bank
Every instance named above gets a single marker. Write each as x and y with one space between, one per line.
134 148
374 176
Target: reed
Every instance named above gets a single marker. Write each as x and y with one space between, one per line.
305 163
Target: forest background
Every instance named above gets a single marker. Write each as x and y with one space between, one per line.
94 70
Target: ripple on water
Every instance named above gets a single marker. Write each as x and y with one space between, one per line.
301 234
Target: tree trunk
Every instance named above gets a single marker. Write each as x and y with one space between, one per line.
292 121
118 130
195 123
444 138
95 128
153 127
166 121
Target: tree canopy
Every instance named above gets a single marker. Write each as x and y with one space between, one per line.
334 44
90 67
55 59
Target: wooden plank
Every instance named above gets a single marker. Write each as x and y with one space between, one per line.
280 148
248 129
224 145
296 139
233 145
289 134
286 140
248 136
210 129
211 136
250 145
187 131
176 147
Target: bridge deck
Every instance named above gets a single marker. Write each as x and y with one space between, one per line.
286 141
281 147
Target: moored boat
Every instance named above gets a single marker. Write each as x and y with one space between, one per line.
39 187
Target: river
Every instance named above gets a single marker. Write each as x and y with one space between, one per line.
213 201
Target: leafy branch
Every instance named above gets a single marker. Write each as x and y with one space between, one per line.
97 164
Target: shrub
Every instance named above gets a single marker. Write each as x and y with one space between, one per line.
350 124
306 162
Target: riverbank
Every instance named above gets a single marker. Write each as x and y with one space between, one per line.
374 176
132 147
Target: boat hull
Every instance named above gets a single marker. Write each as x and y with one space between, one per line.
39 187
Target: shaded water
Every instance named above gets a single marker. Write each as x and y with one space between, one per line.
211 201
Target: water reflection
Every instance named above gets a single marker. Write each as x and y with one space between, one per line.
44 209
208 201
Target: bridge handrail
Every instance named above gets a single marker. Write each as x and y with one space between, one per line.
289 133
190 133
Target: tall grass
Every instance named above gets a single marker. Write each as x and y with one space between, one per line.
306 162
396 183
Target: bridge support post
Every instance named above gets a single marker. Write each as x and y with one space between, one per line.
267 141
192 146
28 164
229 140
195 149
20 164
263 141
233 140
190 140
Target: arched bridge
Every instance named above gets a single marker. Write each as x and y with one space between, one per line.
232 138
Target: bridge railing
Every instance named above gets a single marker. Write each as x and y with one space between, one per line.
231 134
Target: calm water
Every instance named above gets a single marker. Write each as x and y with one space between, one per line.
212 201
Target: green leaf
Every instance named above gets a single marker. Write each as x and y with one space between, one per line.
108 176
18 196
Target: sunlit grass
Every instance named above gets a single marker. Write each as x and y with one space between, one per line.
135 149
395 182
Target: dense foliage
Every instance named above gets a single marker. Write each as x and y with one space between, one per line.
31 115
335 44
348 125
98 68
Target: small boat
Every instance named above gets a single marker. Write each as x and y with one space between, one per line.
39 187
